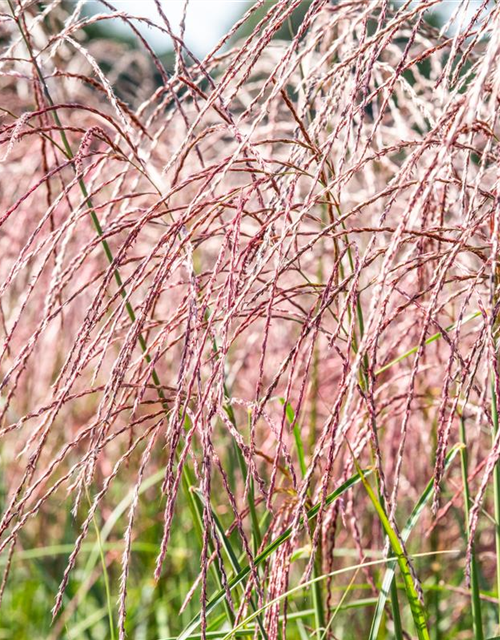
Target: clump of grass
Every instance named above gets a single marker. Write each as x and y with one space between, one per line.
249 320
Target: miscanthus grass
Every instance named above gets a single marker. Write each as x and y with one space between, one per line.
248 312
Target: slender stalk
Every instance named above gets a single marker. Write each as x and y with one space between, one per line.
476 600
317 590
197 514
416 607
435 596
104 571
494 282
496 490
254 518
396 613
339 605
405 534
232 557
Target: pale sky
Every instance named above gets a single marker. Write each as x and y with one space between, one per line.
207 20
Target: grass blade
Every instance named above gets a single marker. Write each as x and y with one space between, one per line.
309 583
416 608
405 534
429 340
269 550
230 552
